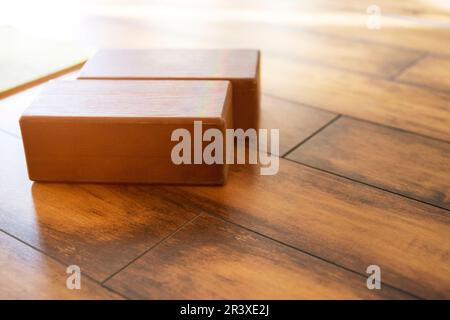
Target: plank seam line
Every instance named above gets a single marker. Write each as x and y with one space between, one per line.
357 39
408 66
322 34
151 248
178 229
311 254
356 118
367 184
312 135
366 74
62 263
307 30
370 75
445 92
315 108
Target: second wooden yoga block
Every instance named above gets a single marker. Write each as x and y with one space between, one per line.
121 131
241 67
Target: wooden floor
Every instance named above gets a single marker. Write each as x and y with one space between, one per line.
364 118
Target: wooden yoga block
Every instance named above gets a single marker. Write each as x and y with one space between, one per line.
241 67
120 131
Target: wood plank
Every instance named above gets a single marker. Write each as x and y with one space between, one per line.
212 259
28 274
430 10
297 44
408 33
342 221
381 101
432 72
295 122
98 227
411 165
405 25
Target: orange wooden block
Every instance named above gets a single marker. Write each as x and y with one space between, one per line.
241 67
120 131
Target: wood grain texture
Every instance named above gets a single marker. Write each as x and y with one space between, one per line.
131 99
212 259
295 43
28 274
410 9
121 131
417 167
401 32
342 221
240 66
295 122
381 101
98 227
172 64
432 72
323 48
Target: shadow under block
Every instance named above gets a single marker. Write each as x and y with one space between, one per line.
241 67
120 131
